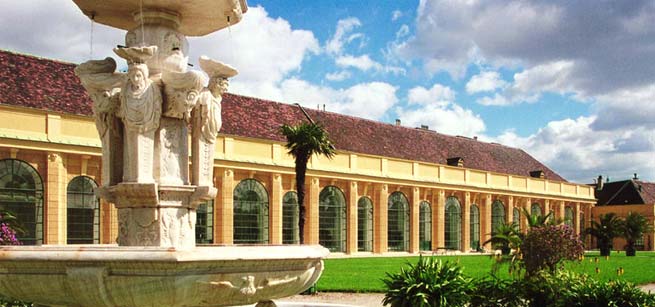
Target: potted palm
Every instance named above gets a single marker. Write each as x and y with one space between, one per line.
605 230
634 227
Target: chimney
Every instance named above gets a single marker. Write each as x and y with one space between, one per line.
599 183
538 174
424 127
397 121
455 161
475 138
635 178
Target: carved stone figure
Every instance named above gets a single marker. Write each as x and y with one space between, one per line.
103 85
207 119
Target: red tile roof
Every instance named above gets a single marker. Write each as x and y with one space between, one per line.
34 82
647 191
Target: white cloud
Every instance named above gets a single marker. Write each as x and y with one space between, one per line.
338 76
367 100
344 27
402 31
395 15
362 62
451 119
577 152
485 81
438 95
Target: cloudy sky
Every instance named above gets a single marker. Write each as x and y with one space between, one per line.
570 82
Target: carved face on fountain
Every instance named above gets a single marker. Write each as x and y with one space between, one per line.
172 47
218 86
138 75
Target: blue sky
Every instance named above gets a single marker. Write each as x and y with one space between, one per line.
570 82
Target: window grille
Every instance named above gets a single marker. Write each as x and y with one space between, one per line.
332 219
453 227
21 192
535 210
290 218
83 212
205 223
497 215
364 224
398 222
475 227
425 226
568 217
250 213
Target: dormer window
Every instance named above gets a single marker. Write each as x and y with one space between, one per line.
538 174
455 161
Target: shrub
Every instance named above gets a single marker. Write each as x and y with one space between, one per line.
429 283
545 247
496 292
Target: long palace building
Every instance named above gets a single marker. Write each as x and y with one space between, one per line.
390 188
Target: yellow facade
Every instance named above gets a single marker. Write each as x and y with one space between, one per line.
62 146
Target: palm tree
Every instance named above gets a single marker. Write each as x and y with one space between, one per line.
303 141
538 220
505 236
608 228
634 227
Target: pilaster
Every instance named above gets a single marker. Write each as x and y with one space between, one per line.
311 212
380 219
510 210
224 209
55 213
440 220
576 218
275 210
414 221
527 204
351 212
466 223
485 221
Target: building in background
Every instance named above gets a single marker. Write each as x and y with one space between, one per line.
623 197
389 189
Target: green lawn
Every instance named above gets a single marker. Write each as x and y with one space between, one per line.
366 274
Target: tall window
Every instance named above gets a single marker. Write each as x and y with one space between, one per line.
568 216
516 218
82 212
21 192
475 227
497 215
453 227
582 224
205 223
364 224
398 222
332 219
535 210
250 213
290 218
425 226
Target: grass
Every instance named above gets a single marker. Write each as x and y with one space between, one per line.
366 274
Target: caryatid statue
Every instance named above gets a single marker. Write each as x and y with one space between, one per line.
140 110
207 119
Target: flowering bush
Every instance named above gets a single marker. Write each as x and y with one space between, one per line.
7 235
546 246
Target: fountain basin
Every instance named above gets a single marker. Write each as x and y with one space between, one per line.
154 276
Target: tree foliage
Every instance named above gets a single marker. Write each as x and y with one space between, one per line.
543 248
605 230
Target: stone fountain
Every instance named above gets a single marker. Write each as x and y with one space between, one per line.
143 117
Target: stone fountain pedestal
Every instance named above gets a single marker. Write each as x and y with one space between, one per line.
143 117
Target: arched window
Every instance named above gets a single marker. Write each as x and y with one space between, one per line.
475 227
568 216
205 223
82 212
497 215
250 212
21 192
332 219
364 224
398 222
535 210
425 226
516 218
290 218
453 227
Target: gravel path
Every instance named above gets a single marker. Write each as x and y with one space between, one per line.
355 299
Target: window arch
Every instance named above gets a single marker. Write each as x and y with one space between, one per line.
290 218
497 215
205 223
516 218
21 192
475 227
332 219
425 226
250 213
453 226
568 216
364 224
536 210
82 212
398 222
